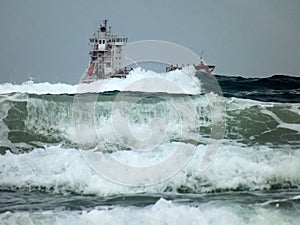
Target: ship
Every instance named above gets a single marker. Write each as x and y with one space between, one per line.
106 57
202 66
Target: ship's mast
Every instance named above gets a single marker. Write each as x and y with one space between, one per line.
202 58
105 22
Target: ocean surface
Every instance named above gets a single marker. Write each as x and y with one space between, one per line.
154 148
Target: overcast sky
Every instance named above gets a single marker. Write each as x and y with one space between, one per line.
48 40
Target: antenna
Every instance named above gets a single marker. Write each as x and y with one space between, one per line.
105 22
201 58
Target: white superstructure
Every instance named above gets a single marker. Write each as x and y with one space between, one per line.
105 55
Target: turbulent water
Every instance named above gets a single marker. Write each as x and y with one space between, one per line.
51 134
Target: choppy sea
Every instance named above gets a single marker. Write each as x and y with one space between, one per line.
154 148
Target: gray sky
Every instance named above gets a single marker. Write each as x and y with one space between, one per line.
48 40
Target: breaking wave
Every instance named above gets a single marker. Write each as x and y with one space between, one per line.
28 121
44 133
182 82
236 168
162 212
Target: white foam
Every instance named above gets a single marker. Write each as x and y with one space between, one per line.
238 103
163 212
234 167
3 128
138 80
37 88
281 124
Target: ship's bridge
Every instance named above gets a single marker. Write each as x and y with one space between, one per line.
100 44
120 41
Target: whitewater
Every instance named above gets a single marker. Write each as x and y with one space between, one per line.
183 84
216 154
